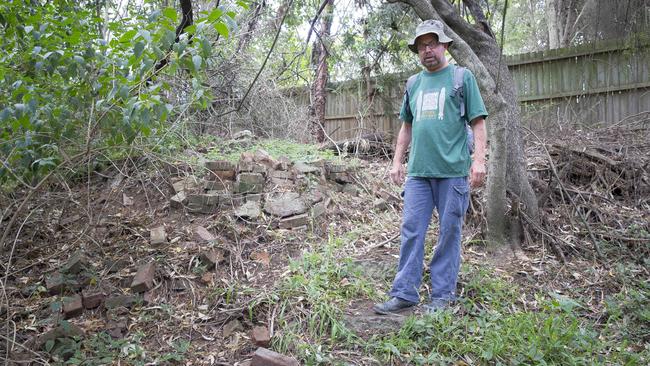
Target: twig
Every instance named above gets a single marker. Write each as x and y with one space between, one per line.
562 189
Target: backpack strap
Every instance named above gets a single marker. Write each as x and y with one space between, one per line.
409 85
459 90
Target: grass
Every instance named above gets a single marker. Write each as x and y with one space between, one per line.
276 148
488 326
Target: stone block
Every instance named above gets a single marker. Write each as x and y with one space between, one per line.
283 163
203 203
248 211
318 209
202 234
158 236
178 200
126 301
186 184
250 183
210 258
223 175
249 166
342 177
255 197
65 330
380 204
304 168
218 165
75 264
261 336
285 204
218 185
92 299
72 307
266 357
281 174
294 221
231 200
231 327
143 280
55 283
351 189
336 168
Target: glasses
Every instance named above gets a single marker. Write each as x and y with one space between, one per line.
424 46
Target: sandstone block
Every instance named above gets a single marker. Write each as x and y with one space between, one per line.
224 175
158 236
126 301
336 168
266 357
210 258
249 210
72 307
55 283
294 221
250 183
178 200
92 299
65 330
202 234
75 264
261 336
286 204
342 177
143 280
219 165
218 185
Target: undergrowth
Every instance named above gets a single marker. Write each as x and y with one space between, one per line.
487 326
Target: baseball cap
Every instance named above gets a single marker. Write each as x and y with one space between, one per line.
429 26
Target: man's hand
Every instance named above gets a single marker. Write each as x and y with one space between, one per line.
477 173
397 174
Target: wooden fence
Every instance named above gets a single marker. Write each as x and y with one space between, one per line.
598 83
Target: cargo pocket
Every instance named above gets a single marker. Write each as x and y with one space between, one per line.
459 200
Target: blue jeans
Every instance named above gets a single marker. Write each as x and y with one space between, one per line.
421 195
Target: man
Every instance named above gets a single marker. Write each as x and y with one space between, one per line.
440 169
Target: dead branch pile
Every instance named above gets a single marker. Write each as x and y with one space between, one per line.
594 187
370 144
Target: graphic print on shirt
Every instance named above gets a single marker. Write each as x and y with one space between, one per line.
430 105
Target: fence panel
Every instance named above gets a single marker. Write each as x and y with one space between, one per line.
598 83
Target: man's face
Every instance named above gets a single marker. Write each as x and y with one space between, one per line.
432 53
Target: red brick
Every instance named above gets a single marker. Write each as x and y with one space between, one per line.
261 336
143 280
72 307
266 357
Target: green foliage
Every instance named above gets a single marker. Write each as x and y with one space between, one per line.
492 331
66 89
324 283
276 148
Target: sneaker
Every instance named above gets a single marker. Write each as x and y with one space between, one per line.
395 304
436 305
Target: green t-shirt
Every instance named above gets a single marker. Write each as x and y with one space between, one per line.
439 138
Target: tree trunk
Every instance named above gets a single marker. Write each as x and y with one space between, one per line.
477 50
319 92
552 24
245 37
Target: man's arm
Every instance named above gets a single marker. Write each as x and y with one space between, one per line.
397 172
477 171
